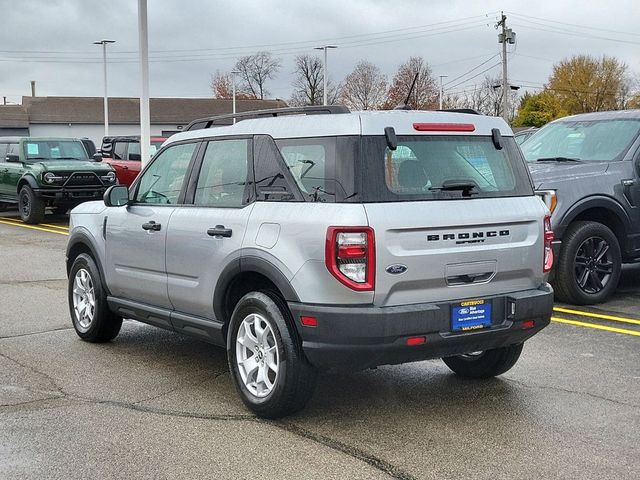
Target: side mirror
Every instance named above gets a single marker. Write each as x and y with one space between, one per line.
116 196
97 157
13 158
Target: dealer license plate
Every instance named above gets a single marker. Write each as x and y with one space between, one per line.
470 315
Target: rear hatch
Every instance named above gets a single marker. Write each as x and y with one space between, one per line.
455 218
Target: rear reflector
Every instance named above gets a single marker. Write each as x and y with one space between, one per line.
411 341
528 324
444 127
309 321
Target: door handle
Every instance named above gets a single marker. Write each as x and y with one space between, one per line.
124 167
5 170
153 226
219 231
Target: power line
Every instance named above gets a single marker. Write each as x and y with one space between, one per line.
474 68
574 33
573 24
477 75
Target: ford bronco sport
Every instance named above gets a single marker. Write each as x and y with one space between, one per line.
316 238
591 163
39 172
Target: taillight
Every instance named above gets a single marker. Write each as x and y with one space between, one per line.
548 251
350 256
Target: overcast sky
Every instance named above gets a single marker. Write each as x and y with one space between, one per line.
50 41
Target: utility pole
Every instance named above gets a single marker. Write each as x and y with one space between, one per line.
506 36
441 77
104 44
324 71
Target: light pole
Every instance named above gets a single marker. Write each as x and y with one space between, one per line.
324 71
233 89
145 117
104 65
441 77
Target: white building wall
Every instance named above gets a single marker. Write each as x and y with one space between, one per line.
94 132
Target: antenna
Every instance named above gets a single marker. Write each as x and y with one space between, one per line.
405 105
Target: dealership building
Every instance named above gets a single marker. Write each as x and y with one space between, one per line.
84 116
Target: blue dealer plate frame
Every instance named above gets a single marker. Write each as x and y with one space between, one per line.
470 315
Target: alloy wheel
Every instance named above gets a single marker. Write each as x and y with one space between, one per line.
257 355
84 300
593 265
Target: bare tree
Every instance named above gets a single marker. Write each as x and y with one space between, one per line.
307 86
365 88
425 91
255 70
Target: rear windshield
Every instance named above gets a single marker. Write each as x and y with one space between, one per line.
35 150
441 168
596 140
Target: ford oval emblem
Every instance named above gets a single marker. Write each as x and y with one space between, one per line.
396 269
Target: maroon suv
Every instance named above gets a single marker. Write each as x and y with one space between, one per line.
123 154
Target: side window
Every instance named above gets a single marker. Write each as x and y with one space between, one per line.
312 163
13 148
120 151
3 151
134 151
162 182
270 171
223 179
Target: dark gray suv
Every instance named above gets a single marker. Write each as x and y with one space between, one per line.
591 162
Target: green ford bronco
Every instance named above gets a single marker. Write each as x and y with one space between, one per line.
36 173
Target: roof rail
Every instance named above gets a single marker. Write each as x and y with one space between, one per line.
208 122
460 110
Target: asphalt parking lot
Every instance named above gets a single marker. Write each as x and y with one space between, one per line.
153 404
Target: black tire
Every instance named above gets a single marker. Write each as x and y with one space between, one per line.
105 325
30 206
485 364
296 378
573 264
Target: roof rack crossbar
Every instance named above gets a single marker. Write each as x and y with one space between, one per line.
208 122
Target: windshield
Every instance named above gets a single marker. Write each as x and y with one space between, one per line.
443 168
35 150
595 140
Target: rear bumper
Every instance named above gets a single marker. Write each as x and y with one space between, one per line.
358 337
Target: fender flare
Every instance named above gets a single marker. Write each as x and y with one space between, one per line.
595 201
250 264
80 237
29 180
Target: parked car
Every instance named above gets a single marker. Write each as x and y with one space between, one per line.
36 173
123 154
591 163
332 240
521 136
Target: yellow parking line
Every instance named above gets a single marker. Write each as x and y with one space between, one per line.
61 227
596 326
17 221
596 315
33 227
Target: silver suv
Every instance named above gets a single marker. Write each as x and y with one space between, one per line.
319 239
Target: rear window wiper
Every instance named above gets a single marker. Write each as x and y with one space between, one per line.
464 187
557 159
